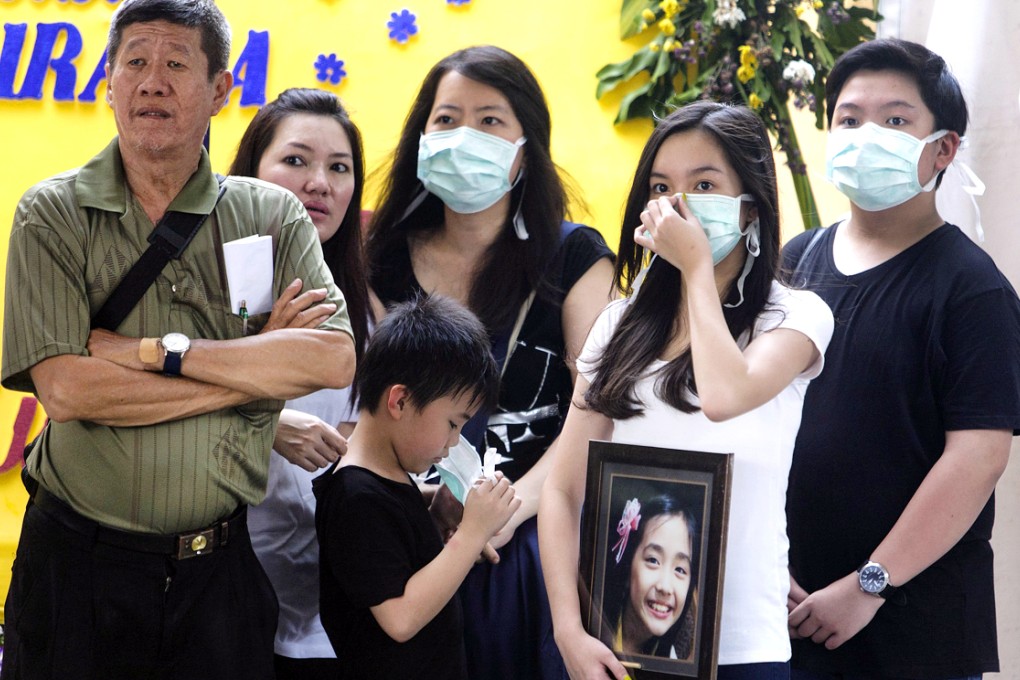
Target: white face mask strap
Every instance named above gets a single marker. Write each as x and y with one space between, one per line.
422 194
753 246
640 278
519 228
935 136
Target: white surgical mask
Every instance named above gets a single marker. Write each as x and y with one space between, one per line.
876 167
468 170
719 216
720 219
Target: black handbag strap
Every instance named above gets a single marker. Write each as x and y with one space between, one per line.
167 241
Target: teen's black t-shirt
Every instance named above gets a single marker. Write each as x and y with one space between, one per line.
374 535
926 342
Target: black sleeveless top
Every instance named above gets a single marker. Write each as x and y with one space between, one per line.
536 386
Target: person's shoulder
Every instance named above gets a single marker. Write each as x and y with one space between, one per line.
966 267
614 311
789 297
576 235
352 489
269 204
58 189
257 190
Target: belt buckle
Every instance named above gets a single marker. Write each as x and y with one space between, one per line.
195 544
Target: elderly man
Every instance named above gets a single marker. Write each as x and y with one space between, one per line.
134 559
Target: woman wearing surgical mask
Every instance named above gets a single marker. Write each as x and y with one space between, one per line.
473 208
709 353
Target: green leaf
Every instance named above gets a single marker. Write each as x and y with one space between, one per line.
612 75
637 100
685 97
662 66
793 30
630 17
823 57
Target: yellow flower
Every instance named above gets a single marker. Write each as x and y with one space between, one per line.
818 4
747 57
799 9
669 44
745 73
670 7
655 47
648 15
754 101
667 27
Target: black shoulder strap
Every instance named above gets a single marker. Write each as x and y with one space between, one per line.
167 241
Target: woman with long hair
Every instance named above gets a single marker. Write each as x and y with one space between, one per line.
473 208
708 353
305 141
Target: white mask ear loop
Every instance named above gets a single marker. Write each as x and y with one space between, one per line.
640 278
518 219
971 185
519 228
753 233
419 198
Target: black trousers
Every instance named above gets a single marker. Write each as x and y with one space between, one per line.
78 608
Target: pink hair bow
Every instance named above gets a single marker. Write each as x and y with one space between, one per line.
628 523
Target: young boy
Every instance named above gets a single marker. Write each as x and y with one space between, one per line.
908 429
388 584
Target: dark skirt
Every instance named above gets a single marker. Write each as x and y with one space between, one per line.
507 623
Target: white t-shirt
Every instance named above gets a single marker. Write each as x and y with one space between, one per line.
282 531
756 579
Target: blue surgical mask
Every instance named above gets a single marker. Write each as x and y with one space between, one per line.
719 216
720 219
468 170
876 167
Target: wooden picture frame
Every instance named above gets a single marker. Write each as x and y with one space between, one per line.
629 557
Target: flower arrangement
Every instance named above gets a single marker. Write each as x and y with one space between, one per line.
762 53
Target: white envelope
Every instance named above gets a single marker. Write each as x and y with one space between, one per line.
249 263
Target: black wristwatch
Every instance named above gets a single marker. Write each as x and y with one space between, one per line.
174 345
873 579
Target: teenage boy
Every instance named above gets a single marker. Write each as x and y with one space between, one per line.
907 431
388 584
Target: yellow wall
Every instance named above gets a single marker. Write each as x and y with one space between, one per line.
565 43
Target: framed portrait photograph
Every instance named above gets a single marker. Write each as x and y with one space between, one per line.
653 548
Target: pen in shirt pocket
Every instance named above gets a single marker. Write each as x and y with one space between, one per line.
243 312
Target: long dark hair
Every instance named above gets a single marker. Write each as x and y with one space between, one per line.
343 250
680 635
649 322
512 268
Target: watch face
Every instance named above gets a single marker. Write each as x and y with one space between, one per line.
176 342
873 579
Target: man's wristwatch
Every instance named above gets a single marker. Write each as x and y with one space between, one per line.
174 347
874 580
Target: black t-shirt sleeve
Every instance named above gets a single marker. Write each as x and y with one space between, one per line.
370 548
582 248
981 374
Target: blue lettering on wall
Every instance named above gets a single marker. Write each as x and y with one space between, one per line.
254 62
88 93
42 60
250 71
10 55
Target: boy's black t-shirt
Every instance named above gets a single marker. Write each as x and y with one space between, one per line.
374 535
924 343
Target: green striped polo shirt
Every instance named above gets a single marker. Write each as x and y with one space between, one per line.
74 237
